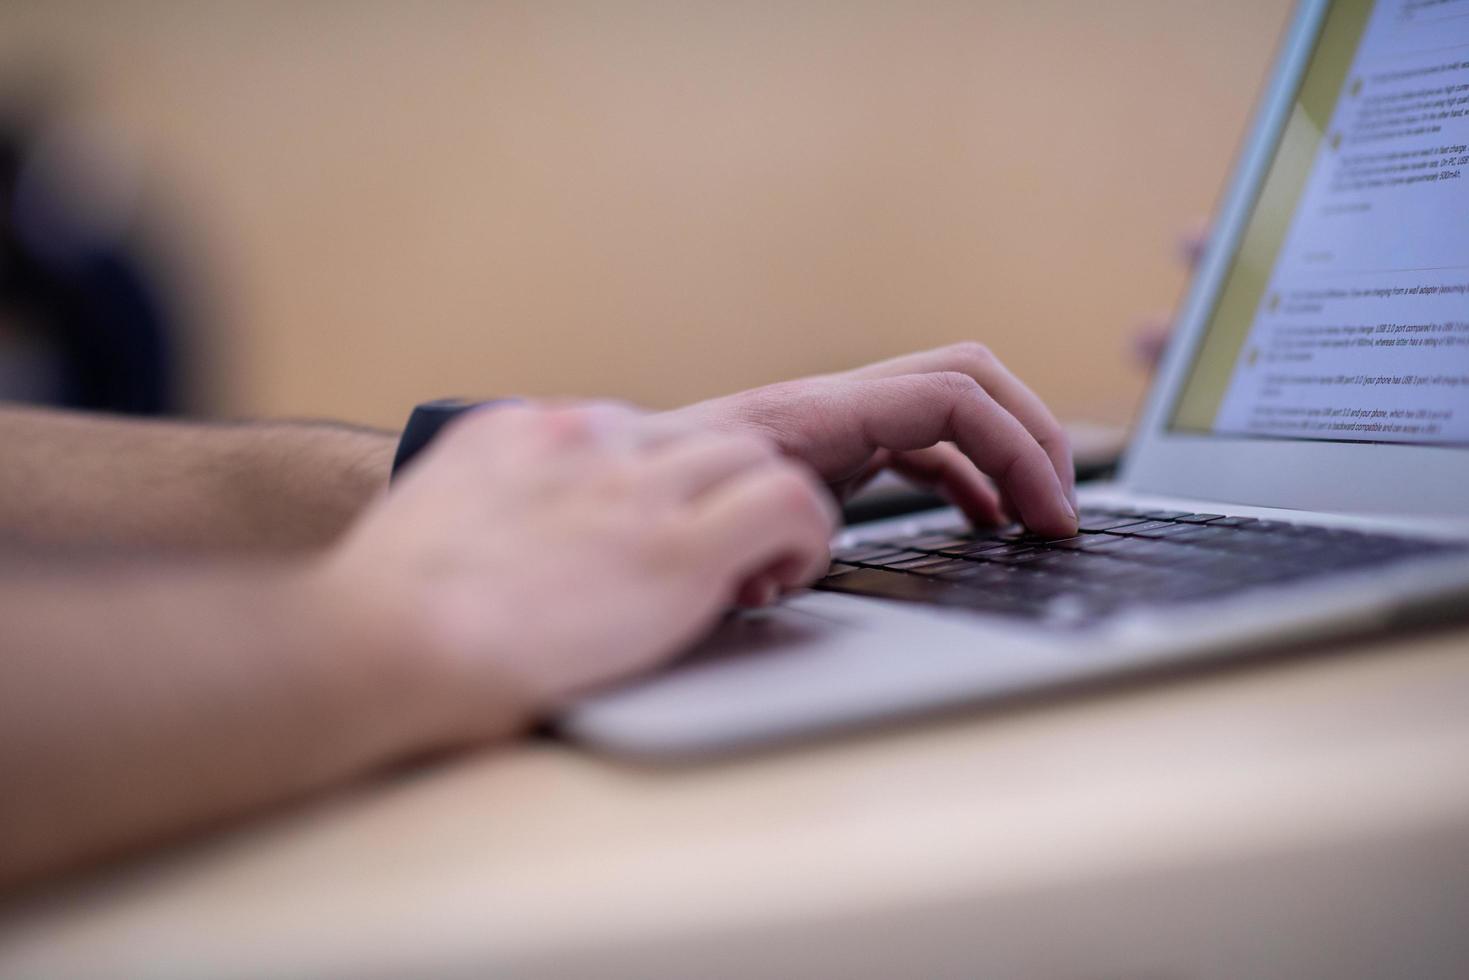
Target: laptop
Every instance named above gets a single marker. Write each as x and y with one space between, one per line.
1301 468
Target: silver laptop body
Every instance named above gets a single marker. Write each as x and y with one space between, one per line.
1319 376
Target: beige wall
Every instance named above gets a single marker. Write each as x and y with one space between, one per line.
661 200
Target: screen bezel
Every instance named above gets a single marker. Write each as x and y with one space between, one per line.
1372 478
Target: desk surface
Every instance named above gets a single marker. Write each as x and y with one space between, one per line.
1298 817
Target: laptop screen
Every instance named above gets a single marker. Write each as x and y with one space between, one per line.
1345 314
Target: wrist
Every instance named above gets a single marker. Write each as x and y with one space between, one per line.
358 464
297 486
413 669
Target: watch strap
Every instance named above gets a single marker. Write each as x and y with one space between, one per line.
427 420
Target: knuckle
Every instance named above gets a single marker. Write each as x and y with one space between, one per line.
775 410
1051 435
585 422
580 416
955 383
490 424
610 406
562 422
607 414
972 353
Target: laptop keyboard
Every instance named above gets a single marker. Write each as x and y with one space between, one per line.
1119 560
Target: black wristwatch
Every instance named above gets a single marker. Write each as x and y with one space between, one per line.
427 419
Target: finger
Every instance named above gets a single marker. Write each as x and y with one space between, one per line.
976 361
759 591
946 469
767 587
918 411
692 466
876 463
769 518
794 573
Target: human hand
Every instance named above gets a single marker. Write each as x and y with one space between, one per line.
954 418
545 550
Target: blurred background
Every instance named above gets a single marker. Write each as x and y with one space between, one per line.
342 208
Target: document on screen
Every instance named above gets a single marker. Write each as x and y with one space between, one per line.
1361 330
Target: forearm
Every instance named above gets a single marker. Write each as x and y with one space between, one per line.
77 483
138 704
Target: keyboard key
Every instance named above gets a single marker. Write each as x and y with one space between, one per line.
983 576
883 561
1166 531
884 584
1258 545
1137 527
1106 544
861 553
1204 534
937 542
1010 548
1198 518
1232 522
1167 515
1145 550
1266 526
918 564
976 548
976 572
1017 557
1106 523
1063 558
946 565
